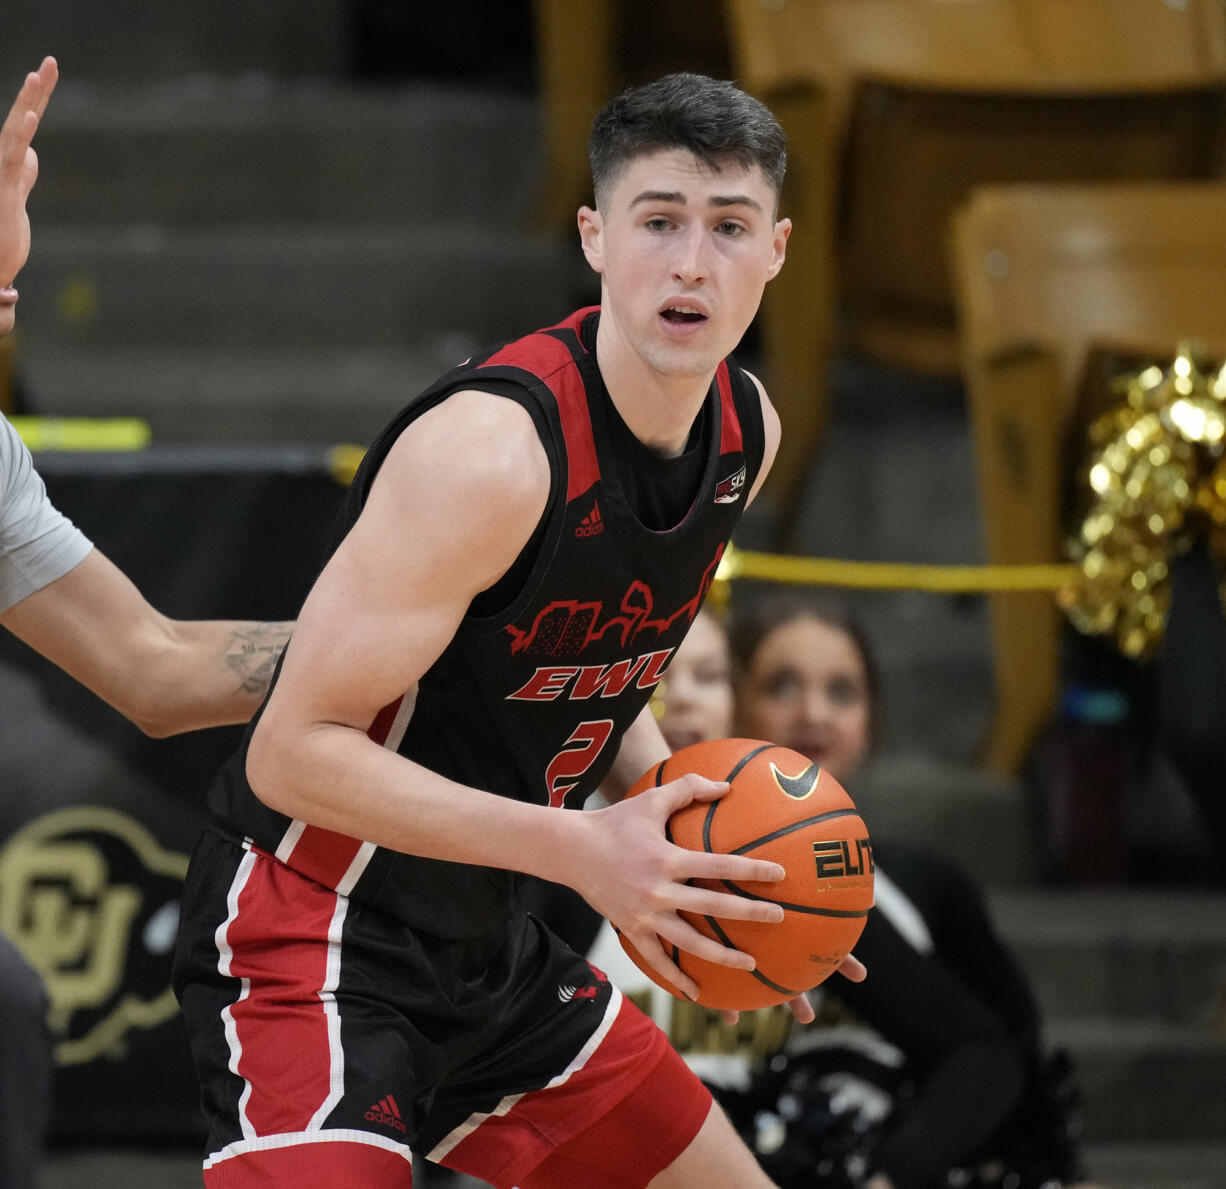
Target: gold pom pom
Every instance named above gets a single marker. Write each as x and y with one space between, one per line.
1154 481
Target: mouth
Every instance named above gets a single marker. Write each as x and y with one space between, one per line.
683 314
677 739
814 752
8 295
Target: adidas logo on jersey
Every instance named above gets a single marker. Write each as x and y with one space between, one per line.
591 525
386 1111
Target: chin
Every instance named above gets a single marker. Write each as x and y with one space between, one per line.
682 366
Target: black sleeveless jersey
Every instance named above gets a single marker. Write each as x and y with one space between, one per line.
532 696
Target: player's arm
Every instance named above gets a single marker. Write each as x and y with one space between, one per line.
166 675
453 504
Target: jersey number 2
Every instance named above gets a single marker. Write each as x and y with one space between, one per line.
578 754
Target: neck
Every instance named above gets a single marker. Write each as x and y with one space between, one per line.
658 409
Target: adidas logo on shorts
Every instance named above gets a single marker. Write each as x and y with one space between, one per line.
386 1111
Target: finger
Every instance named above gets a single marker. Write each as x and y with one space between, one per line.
853 969
48 75
29 106
677 794
731 1017
705 902
15 138
684 936
720 868
802 1009
653 953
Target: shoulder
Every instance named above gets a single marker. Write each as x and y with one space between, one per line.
16 465
770 417
481 437
473 466
771 430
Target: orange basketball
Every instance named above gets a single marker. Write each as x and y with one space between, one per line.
781 807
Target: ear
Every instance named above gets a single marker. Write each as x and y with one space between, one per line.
779 242
591 227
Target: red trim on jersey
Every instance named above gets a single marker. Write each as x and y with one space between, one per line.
550 358
730 440
335 1165
278 939
323 855
633 1074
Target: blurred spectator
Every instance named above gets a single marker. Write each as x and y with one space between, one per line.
931 1072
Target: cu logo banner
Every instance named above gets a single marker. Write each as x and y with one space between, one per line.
92 900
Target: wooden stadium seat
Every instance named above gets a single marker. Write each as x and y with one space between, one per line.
895 109
1045 275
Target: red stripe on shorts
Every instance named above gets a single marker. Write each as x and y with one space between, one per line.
504 1148
278 940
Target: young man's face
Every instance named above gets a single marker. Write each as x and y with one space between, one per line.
684 253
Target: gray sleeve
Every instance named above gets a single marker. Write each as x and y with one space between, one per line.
38 544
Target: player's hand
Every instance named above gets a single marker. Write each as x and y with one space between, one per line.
632 875
19 170
850 968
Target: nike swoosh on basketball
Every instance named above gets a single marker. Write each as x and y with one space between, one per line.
800 786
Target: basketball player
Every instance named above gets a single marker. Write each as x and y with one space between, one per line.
67 601
523 550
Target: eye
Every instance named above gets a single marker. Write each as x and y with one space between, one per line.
658 223
843 691
730 228
782 685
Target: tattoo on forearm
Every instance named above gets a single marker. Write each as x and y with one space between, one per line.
253 652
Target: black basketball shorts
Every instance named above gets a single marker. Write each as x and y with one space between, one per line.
331 1040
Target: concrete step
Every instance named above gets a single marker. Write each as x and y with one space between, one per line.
1152 954
346 394
282 287
1143 1080
975 818
1159 1166
216 150
132 38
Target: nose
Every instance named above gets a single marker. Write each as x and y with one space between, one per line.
690 267
815 706
678 692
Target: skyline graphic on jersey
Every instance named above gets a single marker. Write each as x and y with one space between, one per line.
569 626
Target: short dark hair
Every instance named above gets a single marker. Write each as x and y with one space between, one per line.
714 120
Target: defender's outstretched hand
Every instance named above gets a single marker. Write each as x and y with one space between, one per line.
18 172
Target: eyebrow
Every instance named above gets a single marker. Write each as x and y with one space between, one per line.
678 199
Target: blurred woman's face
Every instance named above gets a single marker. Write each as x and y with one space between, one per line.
696 693
806 688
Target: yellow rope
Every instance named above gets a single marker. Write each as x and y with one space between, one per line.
344 460
82 433
821 571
